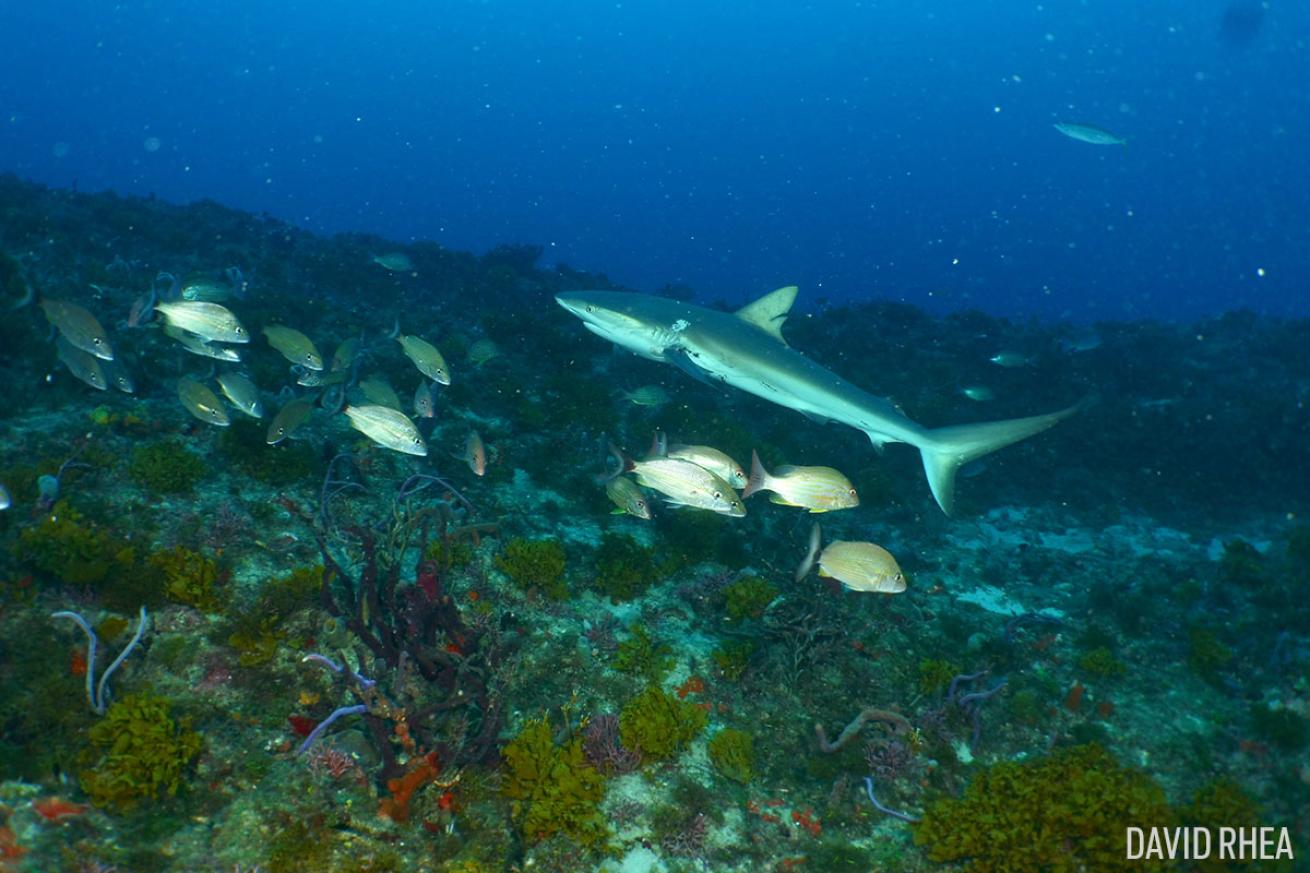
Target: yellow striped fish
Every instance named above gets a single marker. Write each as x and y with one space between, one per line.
201 402
818 489
862 567
387 427
209 321
426 357
294 346
77 325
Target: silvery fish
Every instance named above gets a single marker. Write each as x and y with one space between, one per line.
1011 359
199 286
647 395
627 497
294 346
862 567
82 364
377 391
197 346
475 454
685 484
713 460
322 378
426 357
209 321
5 500
395 262
288 419
77 325
424 407
201 402
118 376
243 394
979 393
1089 134
818 489
387 427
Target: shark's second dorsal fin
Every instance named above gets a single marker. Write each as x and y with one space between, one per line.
770 311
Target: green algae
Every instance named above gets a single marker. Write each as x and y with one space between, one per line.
137 752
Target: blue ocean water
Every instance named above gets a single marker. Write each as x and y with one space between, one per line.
897 150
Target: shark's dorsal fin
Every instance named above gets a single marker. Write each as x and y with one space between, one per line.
770 311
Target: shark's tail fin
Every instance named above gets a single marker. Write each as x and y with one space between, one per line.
946 449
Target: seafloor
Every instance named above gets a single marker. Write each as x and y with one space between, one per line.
1110 630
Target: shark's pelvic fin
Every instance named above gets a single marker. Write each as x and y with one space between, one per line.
946 449
770 311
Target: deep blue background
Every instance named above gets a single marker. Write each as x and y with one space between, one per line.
896 149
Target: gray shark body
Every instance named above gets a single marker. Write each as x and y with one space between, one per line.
746 350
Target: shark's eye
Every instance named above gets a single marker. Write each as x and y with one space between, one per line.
591 309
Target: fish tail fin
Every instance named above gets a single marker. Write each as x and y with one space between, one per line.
811 554
626 464
946 449
659 445
759 478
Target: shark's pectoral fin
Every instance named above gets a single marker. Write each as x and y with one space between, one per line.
683 360
770 312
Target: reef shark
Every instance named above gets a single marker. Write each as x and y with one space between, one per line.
746 349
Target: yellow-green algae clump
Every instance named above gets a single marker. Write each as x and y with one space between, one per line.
535 564
659 724
553 788
138 751
1064 812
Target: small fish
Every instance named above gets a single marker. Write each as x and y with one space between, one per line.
426 357
1011 359
862 567
979 393
197 346
209 321
207 289
627 497
77 325
389 428
818 489
345 354
82 364
647 395
288 419
118 376
201 402
713 460
424 406
294 346
1089 134
475 454
1082 341
482 351
322 378
685 484
812 553
243 393
283 542
143 309
395 262
377 391
5 500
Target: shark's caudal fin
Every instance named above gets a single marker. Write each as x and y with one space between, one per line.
946 449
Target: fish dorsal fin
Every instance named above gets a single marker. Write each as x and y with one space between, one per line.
770 311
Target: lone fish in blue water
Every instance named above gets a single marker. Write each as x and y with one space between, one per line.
1089 134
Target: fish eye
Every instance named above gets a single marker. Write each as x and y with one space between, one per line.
851 492
97 340
718 494
591 308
